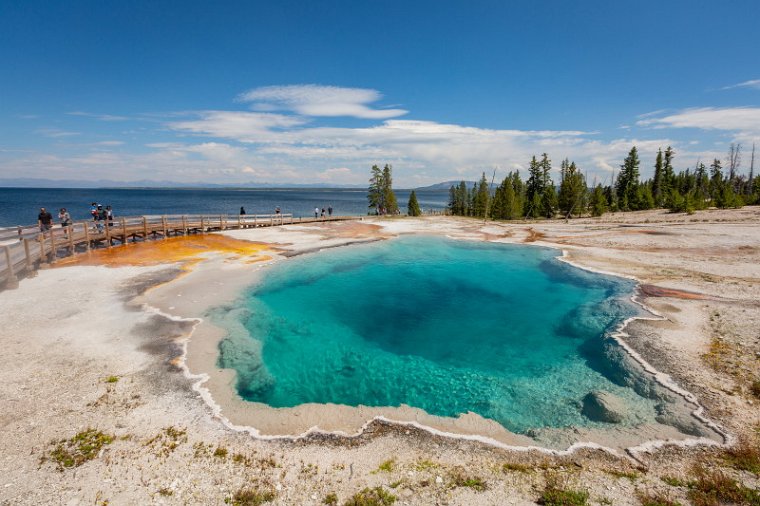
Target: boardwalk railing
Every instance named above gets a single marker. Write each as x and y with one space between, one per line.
24 249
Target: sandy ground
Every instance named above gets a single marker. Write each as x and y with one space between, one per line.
103 347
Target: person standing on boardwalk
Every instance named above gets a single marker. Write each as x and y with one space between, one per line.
316 213
109 215
100 217
94 211
44 220
323 212
242 211
65 218
329 210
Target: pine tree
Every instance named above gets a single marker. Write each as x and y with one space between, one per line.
534 189
413 207
389 197
627 187
572 190
598 201
375 190
657 180
480 197
668 179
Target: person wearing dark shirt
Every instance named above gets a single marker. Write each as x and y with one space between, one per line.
45 220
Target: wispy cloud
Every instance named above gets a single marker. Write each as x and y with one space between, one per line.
744 119
242 126
101 117
754 84
316 100
55 133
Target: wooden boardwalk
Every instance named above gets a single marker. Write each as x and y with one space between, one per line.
23 250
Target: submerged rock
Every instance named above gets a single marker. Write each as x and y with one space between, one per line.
601 406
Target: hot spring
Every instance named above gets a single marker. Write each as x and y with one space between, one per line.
508 332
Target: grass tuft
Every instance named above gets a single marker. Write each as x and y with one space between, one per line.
712 488
371 497
330 499
473 482
656 499
744 456
250 497
112 379
79 449
558 494
387 466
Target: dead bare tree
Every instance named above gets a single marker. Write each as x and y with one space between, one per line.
734 160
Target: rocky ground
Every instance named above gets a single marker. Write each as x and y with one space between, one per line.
97 407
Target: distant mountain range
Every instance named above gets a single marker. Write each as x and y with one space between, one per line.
446 185
145 183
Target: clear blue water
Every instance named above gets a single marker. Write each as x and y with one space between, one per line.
506 331
19 206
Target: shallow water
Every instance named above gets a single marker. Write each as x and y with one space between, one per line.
505 331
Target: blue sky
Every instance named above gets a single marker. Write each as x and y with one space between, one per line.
319 91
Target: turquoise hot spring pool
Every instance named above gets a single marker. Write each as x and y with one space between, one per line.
509 332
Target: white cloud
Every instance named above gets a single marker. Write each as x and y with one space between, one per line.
55 133
101 117
242 126
754 84
745 121
315 100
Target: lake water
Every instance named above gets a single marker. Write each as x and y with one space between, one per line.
19 206
505 331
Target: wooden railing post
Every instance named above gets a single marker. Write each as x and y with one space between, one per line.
43 261
86 235
29 263
240 219
255 216
123 231
184 224
53 247
70 233
11 281
221 223
108 234
145 228
163 224
203 229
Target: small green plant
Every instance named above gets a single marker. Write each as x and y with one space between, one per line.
424 465
220 452
656 499
112 379
250 497
754 388
330 499
557 493
371 497
675 482
239 458
514 467
631 475
387 466
744 456
168 440
712 488
79 449
473 482
165 492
